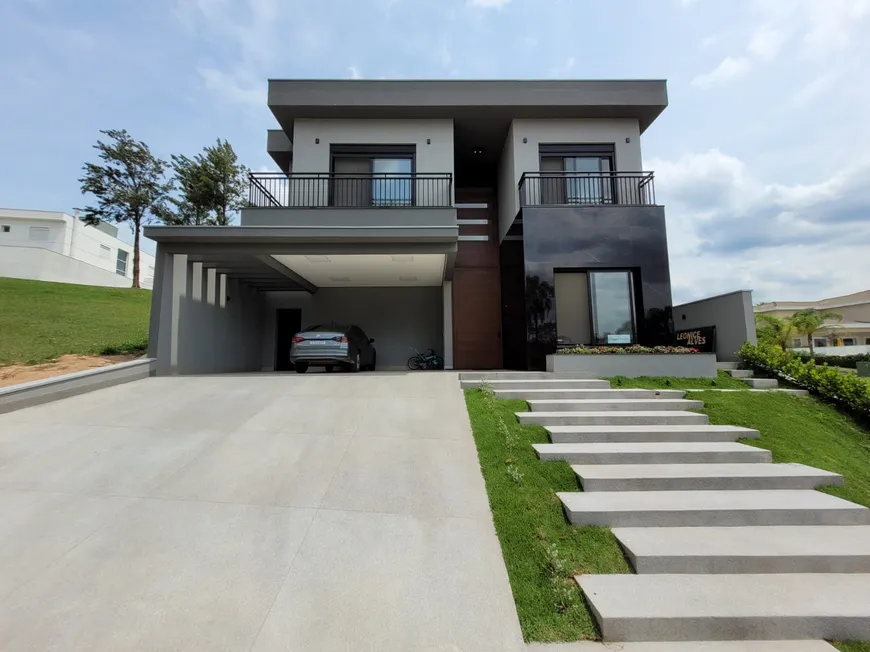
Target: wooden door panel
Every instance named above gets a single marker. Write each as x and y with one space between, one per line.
476 318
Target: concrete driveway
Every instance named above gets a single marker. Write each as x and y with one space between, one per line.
252 512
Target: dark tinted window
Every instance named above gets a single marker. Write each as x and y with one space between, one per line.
327 328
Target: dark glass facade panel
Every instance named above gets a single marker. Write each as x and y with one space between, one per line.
577 238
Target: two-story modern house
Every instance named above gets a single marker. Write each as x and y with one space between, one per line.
490 220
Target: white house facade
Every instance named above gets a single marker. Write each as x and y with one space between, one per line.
54 246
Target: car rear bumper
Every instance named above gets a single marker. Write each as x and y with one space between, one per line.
321 358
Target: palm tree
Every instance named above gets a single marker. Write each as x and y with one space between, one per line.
774 330
808 321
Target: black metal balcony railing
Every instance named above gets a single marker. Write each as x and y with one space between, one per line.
275 190
587 188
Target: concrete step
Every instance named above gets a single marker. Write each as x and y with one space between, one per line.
724 550
717 452
761 383
710 508
633 418
702 477
649 434
535 394
730 607
492 376
727 365
686 646
614 405
537 383
741 373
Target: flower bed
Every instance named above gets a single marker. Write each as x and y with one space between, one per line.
634 349
632 362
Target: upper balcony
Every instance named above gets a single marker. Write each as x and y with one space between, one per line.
574 188
331 190
418 204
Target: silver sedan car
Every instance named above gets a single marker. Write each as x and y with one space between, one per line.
332 345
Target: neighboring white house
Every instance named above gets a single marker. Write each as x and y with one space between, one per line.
54 246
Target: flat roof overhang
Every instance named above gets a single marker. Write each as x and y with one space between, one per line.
467 102
280 148
246 252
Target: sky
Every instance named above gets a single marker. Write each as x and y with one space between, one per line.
762 158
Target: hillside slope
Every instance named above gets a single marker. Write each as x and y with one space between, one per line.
40 321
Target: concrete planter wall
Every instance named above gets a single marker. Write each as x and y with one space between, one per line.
687 365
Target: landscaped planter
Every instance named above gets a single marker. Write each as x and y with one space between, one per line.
678 365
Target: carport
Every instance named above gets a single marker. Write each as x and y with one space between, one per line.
227 299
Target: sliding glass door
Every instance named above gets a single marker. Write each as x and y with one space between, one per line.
612 306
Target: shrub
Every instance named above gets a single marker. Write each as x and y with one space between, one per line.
845 361
634 349
844 390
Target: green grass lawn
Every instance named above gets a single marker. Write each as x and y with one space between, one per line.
722 381
528 518
799 429
854 646
40 321
804 430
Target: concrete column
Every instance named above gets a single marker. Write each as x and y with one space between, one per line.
211 286
179 293
196 281
222 291
447 289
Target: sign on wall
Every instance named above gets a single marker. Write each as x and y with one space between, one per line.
703 338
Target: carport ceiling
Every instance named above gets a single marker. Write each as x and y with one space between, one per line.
368 270
251 270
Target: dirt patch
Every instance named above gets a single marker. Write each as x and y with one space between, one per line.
15 374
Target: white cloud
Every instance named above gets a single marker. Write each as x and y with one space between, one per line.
729 68
727 229
236 86
833 23
488 3
563 70
767 42
253 34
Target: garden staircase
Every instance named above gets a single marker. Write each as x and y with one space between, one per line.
726 545
747 376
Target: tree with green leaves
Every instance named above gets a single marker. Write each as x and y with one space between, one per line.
808 321
129 186
211 187
774 330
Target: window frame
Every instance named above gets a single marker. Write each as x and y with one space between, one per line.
6 228
852 341
796 343
598 151
126 262
373 152
632 303
39 229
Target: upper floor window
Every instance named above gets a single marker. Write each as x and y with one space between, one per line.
796 342
848 341
370 175
39 233
121 265
578 174
6 228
